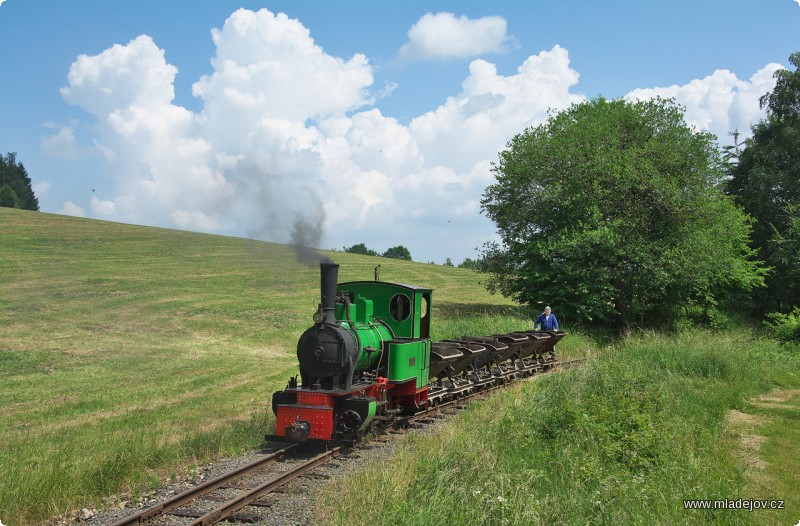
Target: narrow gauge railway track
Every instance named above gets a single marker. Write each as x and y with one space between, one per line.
203 504
204 500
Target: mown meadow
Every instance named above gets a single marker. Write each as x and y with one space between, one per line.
130 354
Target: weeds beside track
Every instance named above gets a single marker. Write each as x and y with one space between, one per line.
623 440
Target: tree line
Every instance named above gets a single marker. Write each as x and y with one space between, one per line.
401 252
619 212
398 252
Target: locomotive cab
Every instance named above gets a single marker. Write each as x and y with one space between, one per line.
405 309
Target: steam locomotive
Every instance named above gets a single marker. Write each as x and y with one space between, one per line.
369 357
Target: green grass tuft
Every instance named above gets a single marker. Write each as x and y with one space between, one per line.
622 440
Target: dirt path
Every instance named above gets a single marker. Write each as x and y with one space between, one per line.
765 438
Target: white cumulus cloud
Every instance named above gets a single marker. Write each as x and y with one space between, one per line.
153 145
62 145
133 75
475 124
71 209
444 36
105 209
719 103
268 66
287 131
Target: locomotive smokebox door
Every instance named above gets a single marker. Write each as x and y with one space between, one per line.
326 350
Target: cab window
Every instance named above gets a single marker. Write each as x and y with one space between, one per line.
400 307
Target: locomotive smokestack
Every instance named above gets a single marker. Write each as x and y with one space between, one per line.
329 276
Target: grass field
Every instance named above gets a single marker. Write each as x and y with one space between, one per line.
622 440
129 353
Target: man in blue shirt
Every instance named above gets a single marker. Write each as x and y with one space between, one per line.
546 321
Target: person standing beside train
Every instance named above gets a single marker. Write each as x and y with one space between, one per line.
546 321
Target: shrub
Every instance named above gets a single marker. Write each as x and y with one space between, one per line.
785 327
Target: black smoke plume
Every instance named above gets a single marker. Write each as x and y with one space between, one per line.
307 232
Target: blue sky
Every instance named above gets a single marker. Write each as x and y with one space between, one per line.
370 122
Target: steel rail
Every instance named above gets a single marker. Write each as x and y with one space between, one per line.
254 494
142 517
456 402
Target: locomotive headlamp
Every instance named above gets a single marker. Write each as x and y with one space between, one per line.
319 316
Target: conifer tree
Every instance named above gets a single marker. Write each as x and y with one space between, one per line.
15 185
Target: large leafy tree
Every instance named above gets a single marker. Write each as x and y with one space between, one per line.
361 248
469 263
15 185
766 182
611 210
398 252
